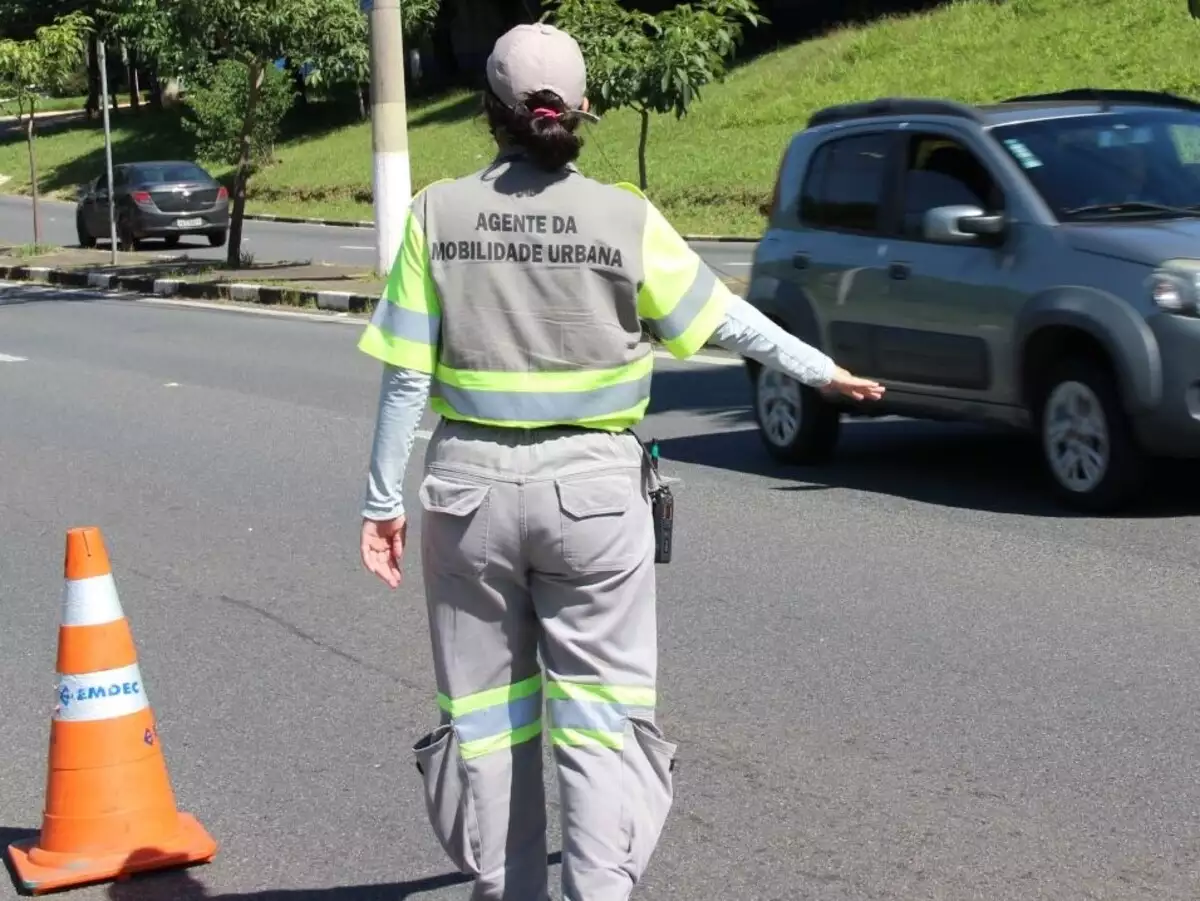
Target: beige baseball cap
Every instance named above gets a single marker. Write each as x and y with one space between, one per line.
538 57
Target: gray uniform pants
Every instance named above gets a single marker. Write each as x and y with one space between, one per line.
542 541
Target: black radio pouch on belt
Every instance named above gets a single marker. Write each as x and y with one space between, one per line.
662 507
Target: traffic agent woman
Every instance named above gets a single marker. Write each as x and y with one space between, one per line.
514 307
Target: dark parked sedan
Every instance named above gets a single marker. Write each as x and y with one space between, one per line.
161 199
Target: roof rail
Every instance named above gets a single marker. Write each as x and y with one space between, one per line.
893 106
1106 97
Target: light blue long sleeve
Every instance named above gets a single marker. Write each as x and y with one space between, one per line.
404 393
747 332
402 399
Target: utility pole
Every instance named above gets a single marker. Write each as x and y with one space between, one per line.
112 217
389 129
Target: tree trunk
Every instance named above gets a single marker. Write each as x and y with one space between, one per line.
156 94
642 139
93 100
300 83
33 180
362 103
135 88
256 73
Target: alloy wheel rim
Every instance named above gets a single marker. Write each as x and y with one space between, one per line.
779 406
1076 437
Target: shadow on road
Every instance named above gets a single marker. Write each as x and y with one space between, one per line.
183 884
20 295
945 464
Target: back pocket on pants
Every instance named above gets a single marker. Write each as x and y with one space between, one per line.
603 522
647 787
449 802
454 528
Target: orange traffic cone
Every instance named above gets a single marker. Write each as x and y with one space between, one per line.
110 810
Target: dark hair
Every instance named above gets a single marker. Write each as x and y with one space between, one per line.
551 143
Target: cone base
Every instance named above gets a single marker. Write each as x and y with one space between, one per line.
41 871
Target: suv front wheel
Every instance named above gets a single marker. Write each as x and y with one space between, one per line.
1088 447
795 422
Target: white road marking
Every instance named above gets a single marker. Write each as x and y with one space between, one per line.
342 318
703 359
354 247
424 434
171 385
9 358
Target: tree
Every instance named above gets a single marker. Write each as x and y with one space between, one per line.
653 63
352 64
42 63
257 34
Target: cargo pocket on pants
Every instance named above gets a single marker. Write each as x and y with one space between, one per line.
647 759
455 525
448 798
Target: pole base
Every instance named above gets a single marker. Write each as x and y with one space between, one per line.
41 871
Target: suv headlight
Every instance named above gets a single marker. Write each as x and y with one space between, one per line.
1175 287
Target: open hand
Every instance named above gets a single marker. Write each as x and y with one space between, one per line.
852 386
383 548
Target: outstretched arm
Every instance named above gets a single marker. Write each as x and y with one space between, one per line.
687 306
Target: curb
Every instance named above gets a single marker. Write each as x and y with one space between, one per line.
300 220
363 223
332 301
267 295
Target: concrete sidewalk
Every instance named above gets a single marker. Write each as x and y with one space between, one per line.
340 288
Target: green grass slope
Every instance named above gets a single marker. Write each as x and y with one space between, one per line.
711 170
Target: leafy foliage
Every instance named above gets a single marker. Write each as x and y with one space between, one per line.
253 33
148 25
659 62
267 30
44 63
218 104
653 63
41 64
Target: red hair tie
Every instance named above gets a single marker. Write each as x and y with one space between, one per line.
542 113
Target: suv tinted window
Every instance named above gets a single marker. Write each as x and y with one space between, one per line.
1137 156
843 188
941 171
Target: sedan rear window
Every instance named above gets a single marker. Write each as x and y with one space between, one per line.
161 173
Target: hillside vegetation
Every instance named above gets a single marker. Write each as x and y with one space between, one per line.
711 170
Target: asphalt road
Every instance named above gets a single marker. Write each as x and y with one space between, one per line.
276 241
903 677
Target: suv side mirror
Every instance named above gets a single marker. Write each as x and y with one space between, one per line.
961 224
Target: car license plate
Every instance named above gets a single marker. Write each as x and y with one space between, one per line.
189 223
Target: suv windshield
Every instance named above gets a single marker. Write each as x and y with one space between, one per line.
1132 164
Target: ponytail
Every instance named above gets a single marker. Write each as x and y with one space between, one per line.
541 125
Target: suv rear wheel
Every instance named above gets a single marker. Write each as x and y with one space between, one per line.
1088 447
795 422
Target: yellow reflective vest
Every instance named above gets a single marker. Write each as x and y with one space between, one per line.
522 294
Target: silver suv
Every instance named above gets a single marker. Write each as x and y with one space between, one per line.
1033 264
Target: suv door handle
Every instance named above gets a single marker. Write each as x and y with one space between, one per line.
800 261
899 271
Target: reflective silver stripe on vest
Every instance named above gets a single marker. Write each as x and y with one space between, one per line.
586 715
680 319
405 323
519 406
